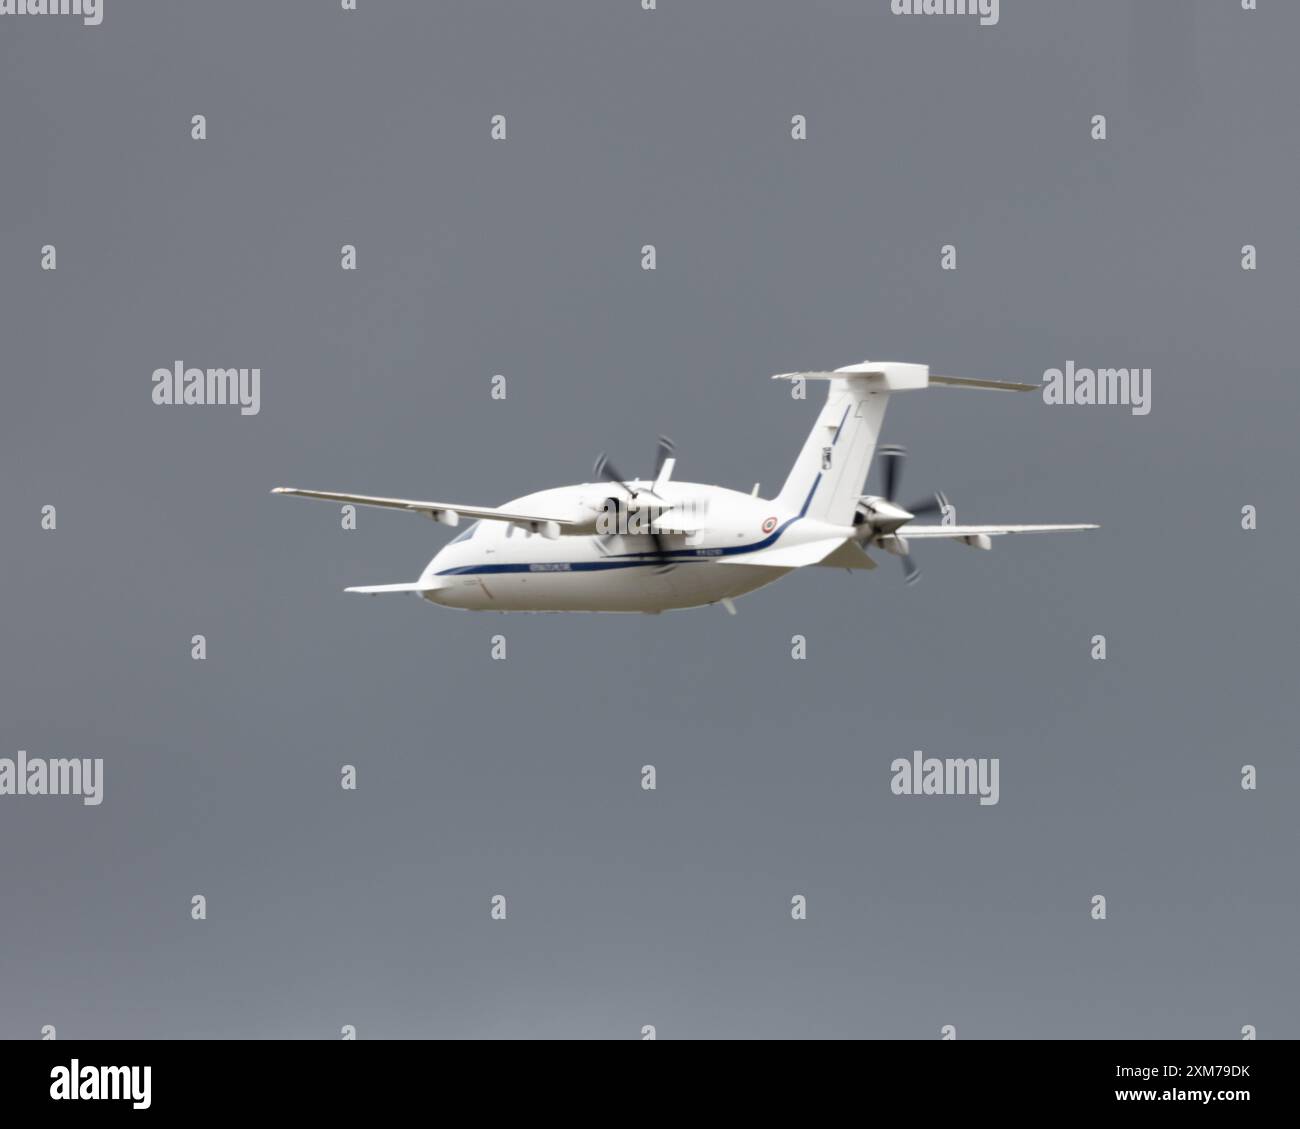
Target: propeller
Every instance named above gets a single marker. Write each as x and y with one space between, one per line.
606 470
894 457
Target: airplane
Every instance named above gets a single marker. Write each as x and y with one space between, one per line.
652 545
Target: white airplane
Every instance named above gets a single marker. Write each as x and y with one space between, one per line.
651 545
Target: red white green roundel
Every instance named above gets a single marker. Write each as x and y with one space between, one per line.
769 525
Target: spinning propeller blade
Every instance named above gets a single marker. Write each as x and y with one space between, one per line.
892 467
894 457
606 470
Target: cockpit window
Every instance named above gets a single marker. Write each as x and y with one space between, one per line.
466 535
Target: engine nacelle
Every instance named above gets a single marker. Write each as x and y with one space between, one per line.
892 543
879 515
628 517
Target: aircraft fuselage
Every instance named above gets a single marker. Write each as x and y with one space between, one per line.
501 567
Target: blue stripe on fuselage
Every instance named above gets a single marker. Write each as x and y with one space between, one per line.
677 556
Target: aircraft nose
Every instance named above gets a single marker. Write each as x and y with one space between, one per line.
430 576
431 584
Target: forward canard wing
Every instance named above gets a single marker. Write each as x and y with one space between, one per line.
385 589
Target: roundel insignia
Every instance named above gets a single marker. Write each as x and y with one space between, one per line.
769 525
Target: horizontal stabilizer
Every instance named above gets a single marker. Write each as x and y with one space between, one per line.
791 556
871 376
893 376
911 532
994 385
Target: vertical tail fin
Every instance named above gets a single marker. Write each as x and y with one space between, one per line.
828 476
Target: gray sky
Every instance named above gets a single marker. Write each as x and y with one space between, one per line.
522 777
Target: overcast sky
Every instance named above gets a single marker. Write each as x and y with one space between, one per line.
522 778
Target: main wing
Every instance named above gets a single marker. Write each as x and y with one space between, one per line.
910 531
449 513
